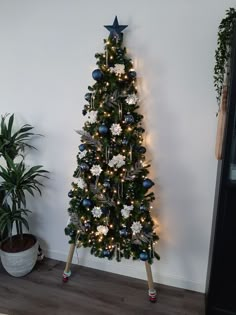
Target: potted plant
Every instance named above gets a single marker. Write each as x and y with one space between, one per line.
12 144
18 251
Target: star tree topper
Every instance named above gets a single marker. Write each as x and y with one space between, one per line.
115 29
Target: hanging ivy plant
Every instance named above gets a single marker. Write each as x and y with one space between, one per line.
223 51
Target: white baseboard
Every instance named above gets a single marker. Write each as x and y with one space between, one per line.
134 269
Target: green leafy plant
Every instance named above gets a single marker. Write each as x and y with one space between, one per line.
13 143
16 179
223 51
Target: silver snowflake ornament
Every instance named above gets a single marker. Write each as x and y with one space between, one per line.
136 227
116 129
96 170
131 99
97 212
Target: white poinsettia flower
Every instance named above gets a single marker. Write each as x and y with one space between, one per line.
116 129
81 183
131 99
102 229
129 208
97 212
96 170
119 68
92 116
117 161
125 213
136 227
82 154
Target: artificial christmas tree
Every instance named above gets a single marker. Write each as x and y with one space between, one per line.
110 199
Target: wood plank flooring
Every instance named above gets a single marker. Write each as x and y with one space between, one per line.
90 292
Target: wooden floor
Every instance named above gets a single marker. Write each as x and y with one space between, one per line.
89 292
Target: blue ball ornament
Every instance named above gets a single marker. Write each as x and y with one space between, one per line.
82 147
72 234
103 129
132 74
87 203
97 75
125 141
84 166
147 183
87 225
106 253
143 208
105 211
141 150
123 232
70 194
88 96
107 183
143 256
129 119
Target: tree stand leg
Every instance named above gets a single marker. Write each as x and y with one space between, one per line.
67 272
151 291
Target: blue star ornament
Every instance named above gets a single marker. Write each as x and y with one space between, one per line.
115 29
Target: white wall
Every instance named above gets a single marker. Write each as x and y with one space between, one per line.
47 52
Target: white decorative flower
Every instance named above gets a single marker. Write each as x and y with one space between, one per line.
126 211
131 99
136 227
117 160
82 154
92 116
129 208
96 170
81 183
116 129
97 212
102 229
118 69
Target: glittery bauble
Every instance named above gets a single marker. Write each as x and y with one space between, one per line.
107 183
103 129
70 194
147 183
84 166
82 147
141 150
105 211
106 253
87 225
143 256
88 96
132 74
123 232
143 208
97 74
72 234
125 141
129 119
87 203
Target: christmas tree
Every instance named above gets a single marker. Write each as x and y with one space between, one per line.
110 199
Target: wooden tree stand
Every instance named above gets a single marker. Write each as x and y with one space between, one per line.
151 291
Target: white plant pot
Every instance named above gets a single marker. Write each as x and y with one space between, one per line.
21 263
